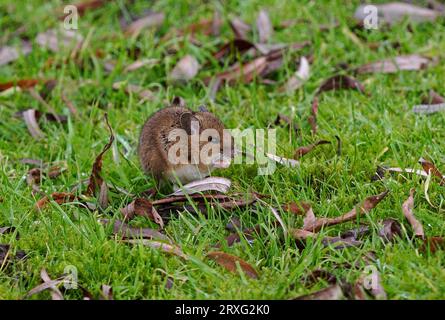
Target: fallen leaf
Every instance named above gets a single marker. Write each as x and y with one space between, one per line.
340 82
233 225
391 230
56 40
127 232
6 255
395 64
368 204
95 176
106 292
433 98
394 12
70 105
264 26
284 161
152 19
239 27
58 197
301 151
317 274
235 237
230 262
232 47
31 123
333 292
430 168
4 230
142 207
245 73
433 244
55 292
22 84
313 117
165 247
140 63
48 284
85 6
102 200
297 80
9 54
32 162
186 69
208 184
297 208
407 209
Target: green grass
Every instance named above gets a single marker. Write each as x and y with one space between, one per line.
374 129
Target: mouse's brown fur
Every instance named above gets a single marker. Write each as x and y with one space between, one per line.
154 143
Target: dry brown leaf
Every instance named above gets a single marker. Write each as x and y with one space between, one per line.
153 19
186 69
22 84
102 200
239 27
395 64
207 184
313 117
85 6
6 255
407 209
9 54
235 237
229 262
430 168
95 176
127 232
48 284
297 80
433 244
391 230
58 197
70 105
333 292
301 151
297 208
368 204
340 82
31 123
56 40
142 207
433 98
106 292
284 161
244 73
264 26
234 46
394 12
140 64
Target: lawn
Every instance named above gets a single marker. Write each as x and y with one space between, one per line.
375 128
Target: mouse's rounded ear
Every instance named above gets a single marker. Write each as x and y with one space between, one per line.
189 123
202 108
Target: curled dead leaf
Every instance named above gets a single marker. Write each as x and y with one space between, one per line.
230 262
407 209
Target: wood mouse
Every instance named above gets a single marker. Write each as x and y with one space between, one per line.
157 148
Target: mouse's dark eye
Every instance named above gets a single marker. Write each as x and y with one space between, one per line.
209 139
